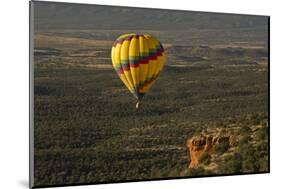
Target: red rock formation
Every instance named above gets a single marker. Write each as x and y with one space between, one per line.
199 145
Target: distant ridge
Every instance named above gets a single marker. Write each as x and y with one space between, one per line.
49 15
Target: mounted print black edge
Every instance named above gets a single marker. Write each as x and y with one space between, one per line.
125 94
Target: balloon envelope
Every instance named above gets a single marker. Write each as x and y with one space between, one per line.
138 59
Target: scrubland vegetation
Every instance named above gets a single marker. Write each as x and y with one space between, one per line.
87 129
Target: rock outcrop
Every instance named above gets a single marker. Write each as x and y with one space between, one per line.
230 146
198 145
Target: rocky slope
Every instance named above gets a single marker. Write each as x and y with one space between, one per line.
236 148
199 145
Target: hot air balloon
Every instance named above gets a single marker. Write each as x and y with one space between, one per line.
138 59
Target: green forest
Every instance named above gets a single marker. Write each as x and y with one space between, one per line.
87 129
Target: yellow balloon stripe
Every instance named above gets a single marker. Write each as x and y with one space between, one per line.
143 54
138 60
152 61
124 57
133 60
115 56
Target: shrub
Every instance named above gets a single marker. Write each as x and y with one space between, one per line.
222 147
232 164
262 133
245 130
195 172
205 158
248 165
244 140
